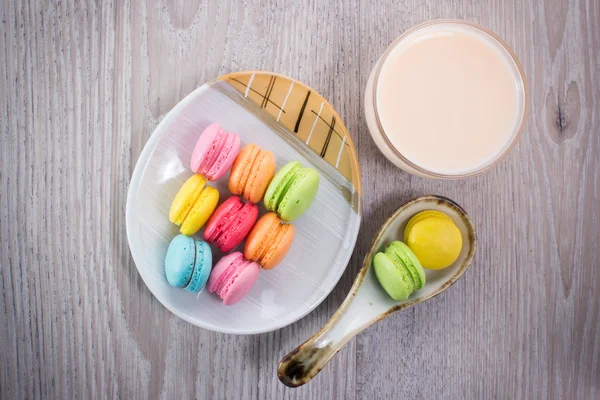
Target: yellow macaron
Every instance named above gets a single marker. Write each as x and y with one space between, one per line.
193 205
434 238
420 217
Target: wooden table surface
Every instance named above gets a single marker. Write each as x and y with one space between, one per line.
83 86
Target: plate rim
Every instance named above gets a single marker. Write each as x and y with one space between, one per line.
136 177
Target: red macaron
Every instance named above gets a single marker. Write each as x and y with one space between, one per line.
230 223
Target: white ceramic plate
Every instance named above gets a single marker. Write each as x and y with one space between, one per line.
295 123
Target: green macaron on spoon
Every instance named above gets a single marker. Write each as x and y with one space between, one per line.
405 260
399 271
292 191
404 283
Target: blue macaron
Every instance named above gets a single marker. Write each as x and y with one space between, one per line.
188 263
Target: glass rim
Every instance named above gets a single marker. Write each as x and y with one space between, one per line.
523 111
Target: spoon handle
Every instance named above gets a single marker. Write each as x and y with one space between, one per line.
363 306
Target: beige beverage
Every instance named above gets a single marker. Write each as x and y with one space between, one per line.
446 100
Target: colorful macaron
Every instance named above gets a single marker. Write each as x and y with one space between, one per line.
434 238
214 153
251 173
188 263
193 205
230 223
292 191
269 241
233 277
399 271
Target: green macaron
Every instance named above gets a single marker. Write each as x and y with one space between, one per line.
398 271
403 254
292 191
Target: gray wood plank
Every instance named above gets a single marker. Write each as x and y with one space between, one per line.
84 84
523 322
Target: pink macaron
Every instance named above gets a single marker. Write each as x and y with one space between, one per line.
214 153
230 223
233 277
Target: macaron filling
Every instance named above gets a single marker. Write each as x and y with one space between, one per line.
253 172
396 251
216 148
298 177
222 155
281 231
186 198
232 225
268 242
403 271
225 221
223 282
196 208
231 281
252 158
228 276
194 283
282 187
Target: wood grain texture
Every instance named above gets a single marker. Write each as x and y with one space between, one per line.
83 84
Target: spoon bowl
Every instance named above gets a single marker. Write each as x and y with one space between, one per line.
367 302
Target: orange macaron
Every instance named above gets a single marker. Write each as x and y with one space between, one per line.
251 173
269 241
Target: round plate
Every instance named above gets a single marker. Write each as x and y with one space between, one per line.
295 123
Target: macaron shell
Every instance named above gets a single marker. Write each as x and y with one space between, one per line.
436 242
393 278
185 198
299 195
277 187
201 211
202 267
179 261
203 148
420 217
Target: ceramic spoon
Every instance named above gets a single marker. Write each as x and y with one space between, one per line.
367 302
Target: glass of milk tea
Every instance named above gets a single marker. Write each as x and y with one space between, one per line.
447 99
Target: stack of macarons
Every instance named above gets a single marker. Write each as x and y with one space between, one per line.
188 263
195 202
431 240
234 276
